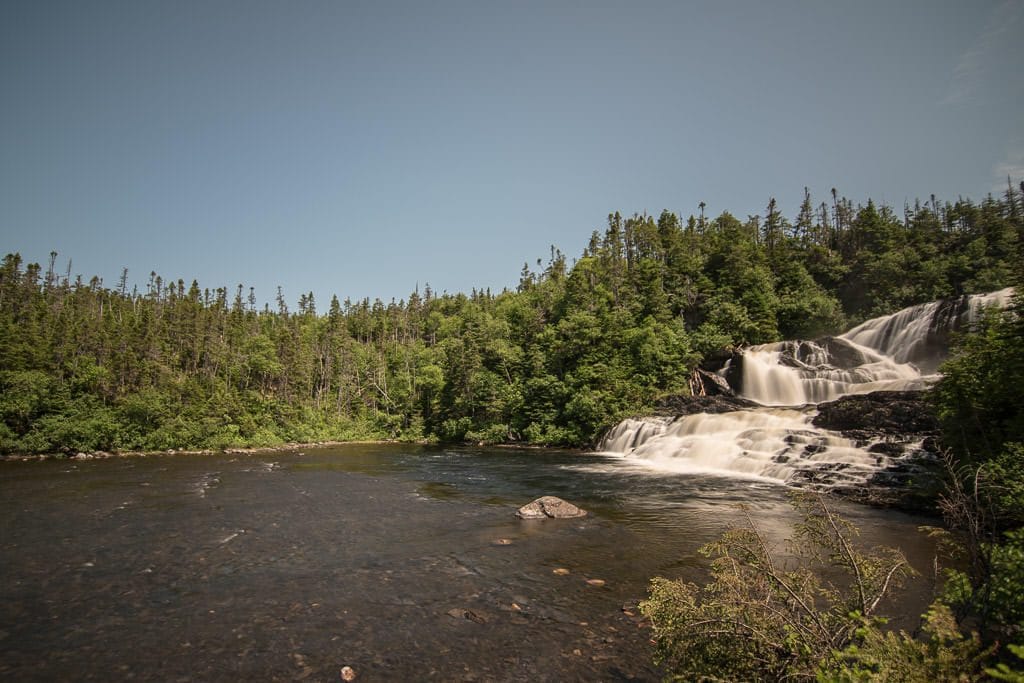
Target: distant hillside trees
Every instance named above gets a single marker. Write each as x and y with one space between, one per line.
577 345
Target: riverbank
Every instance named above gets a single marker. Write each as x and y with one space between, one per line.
252 450
281 448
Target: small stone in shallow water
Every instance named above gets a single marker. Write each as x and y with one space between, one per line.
462 613
595 582
561 571
503 541
348 673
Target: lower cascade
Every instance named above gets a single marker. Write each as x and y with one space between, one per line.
779 441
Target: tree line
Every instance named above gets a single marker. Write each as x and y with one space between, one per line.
574 347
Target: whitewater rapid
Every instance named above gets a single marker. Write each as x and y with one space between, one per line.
778 441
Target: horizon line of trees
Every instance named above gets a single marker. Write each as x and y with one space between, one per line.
576 345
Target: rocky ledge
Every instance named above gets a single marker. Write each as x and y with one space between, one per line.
677 405
898 424
880 413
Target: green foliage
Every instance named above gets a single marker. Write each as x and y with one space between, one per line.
1005 479
994 595
759 620
556 362
980 403
940 654
980 398
1003 672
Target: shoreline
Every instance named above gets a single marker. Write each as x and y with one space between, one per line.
232 450
256 450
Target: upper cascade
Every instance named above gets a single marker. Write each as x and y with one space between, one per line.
920 334
894 352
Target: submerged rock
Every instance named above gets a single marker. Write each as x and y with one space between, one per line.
549 506
463 613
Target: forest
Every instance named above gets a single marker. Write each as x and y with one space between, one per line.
577 345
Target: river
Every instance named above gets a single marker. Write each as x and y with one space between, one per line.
402 562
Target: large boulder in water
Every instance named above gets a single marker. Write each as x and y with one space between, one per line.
549 506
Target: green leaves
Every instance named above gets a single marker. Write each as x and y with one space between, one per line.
581 343
760 620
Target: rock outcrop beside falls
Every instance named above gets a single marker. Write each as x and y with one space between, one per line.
898 424
677 404
879 414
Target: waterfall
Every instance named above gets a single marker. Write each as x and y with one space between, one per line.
778 442
798 373
771 443
895 352
920 334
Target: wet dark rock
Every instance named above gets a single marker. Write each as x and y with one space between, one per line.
705 383
726 367
811 449
716 360
893 449
733 372
841 353
882 413
549 506
901 429
678 405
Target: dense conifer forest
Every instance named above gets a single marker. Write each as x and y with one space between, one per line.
578 344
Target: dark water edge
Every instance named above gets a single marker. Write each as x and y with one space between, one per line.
403 562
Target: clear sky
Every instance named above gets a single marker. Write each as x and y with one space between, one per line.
362 148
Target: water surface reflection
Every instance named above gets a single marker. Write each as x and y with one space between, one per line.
404 562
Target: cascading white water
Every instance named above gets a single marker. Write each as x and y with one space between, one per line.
780 375
771 443
780 443
906 336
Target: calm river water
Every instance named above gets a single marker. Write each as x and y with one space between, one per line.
403 562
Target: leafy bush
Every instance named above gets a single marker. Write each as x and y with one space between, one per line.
757 620
496 433
454 429
941 654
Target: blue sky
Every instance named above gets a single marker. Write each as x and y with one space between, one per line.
364 148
